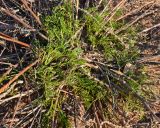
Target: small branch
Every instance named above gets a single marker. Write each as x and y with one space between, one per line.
10 89
19 19
2 34
8 38
16 96
6 86
32 13
15 17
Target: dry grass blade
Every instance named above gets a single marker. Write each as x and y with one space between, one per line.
29 114
34 118
145 59
109 124
15 111
134 21
134 11
8 38
106 7
148 29
113 12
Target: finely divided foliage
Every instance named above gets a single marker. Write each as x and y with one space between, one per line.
86 73
68 70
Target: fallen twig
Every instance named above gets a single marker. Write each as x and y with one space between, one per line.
2 34
8 12
10 89
16 96
32 13
6 86
19 19
8 38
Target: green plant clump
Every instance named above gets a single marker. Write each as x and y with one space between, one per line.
63 67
